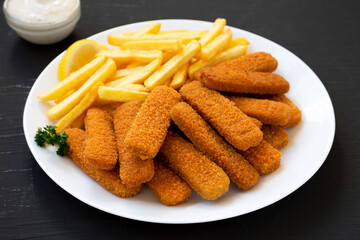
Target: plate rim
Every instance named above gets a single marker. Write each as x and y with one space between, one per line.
74 194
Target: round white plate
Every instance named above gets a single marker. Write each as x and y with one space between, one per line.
309 144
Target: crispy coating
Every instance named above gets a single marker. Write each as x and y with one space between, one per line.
255 62
263 157
108 179
275 135
267 111
133 170
256 122
240 171
150 126
168 187
100 145
223 115
202 174
295 112
228 80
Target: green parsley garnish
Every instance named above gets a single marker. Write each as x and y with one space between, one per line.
50 136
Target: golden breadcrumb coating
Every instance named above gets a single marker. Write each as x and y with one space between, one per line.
275 135
202 174
108 179
228 80
168 187
267 111
295 112
223 115
256 122
100 145
240 171
254 62
150 126
133 170
263 157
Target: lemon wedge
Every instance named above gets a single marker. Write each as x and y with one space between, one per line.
77 55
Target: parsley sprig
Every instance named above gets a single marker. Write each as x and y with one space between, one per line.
50 136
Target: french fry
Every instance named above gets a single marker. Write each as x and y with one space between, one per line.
169 68
179 77
217 45
79 109
185 37
74 80
227 54
67 104
167 55
138 77
136 87
160 44
120 94
151 28
79 121
134 64
124 72
59 99
238 41
217 28
125 56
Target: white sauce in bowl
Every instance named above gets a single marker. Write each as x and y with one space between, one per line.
41 11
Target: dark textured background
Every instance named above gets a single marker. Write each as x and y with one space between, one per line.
325 34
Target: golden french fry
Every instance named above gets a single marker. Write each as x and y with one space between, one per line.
185 37
167 55
217 28
238 41
120 94
124 72
160 44
79 121
151 28
67 104
217 45
134 64
74 80
227 54
125 56
136 87
168 69
59 99
179 77
79 109
138 77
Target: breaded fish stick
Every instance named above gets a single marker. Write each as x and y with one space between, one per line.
229 80
255 62
267 111
275 135
167 186
107 179
263 157
202 174
240 171
295 112
133 170
150 126
100 145
223 115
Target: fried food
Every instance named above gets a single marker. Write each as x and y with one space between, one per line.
255 62
263 157
202 174
229 80
168 187
150 126
133 170
240 171
223 115
100 145
275 135
295 112
107 179
267 111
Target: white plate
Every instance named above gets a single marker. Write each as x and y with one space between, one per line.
309 144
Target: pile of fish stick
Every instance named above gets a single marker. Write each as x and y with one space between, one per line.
227 125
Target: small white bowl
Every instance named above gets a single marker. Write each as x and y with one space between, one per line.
43 32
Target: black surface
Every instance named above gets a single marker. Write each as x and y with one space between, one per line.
325 34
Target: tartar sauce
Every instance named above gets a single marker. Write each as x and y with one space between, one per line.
41 11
